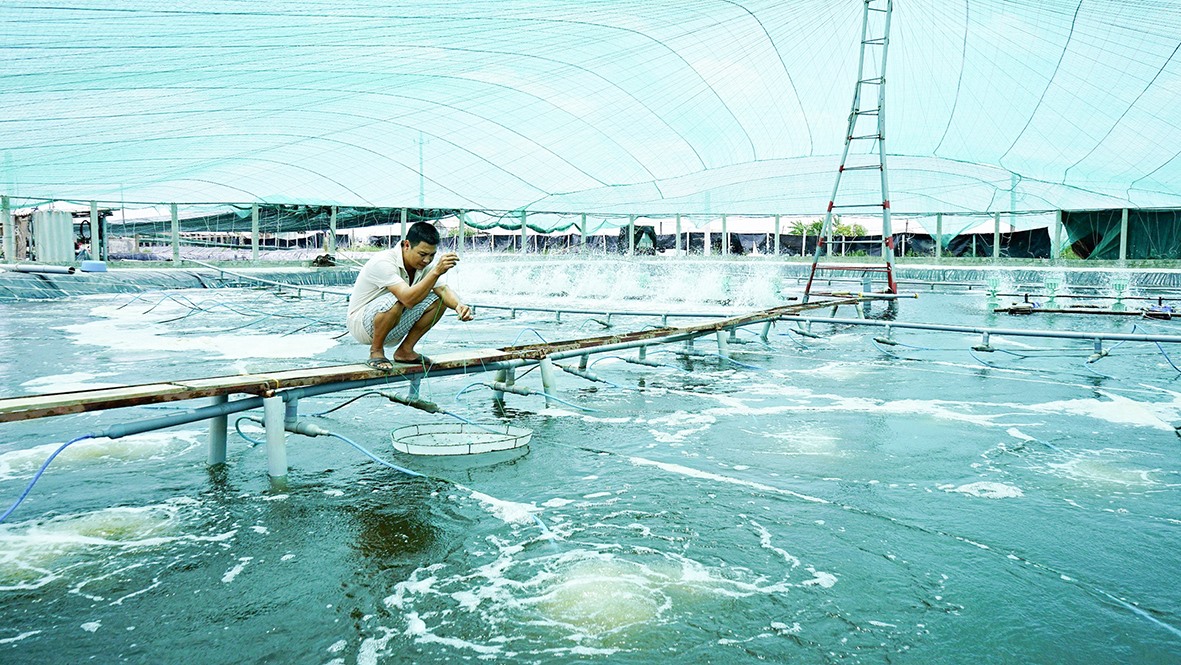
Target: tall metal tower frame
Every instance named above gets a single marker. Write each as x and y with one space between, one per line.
869 44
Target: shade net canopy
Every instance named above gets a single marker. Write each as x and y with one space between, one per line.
610 107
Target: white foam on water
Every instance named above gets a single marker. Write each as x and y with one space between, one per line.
705 475
372 647
557 502
689 424
35 553
1094 467
61 383
804 440
232 573
809 402
602 597
986 490
511 512
337 646
23 636
839 370
765 541
784 629
1116 409
91 452
1018 434
821 579
126 332
91 626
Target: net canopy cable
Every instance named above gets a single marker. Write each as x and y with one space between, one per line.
611 108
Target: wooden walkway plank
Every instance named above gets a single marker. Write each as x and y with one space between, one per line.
28 407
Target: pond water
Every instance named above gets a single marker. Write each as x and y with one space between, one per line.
827 497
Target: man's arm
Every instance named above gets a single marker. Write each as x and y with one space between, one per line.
409 295
451 301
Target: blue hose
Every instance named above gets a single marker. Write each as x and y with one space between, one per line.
375 458
238 429
559 399
37 476
518 338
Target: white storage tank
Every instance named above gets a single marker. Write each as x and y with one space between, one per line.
53 236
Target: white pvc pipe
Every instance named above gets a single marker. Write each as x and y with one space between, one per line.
549 382
217 432
273 413
1004 332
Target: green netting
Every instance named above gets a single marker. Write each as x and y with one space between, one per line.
1152 234
612 107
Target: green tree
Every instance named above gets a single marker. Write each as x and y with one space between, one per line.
839 228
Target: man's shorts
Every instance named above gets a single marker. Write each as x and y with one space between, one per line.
383 303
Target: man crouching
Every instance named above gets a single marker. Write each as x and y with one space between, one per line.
397 298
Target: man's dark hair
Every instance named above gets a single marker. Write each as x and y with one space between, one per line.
422 232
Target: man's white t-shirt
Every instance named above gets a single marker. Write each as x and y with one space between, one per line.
383 270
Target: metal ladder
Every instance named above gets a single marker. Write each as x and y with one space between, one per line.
874 18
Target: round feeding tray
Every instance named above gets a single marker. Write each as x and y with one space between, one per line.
458 439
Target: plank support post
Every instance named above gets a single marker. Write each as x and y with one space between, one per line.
273 412
217 433
501 378
723 345
549 382
766 331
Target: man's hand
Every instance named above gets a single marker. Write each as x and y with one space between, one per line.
446 262
464 312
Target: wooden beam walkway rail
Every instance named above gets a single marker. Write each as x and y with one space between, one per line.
278 393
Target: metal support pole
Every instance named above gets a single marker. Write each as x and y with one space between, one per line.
217 432
766 331
776 235
725 237
459 240
582 233
631 235
1056 239
175 235
98 233
330 246
253 231
678 246
414 390
402 232
273 411
1123 236
723 345
996 235
705 246
549 382
938 236
10 230
524 232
